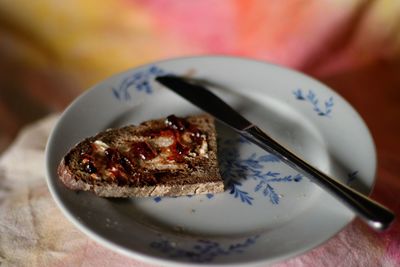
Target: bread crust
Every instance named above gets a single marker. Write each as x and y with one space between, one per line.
69 180
200 176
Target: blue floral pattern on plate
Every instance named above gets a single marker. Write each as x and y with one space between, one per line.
203 250
139 80
311 97
237 170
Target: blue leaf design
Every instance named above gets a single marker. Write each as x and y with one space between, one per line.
287 178
272 174
329 102
273 196
298 94
139 80
234 168
237 193
202 251
259 186
252 163
297 178
313 100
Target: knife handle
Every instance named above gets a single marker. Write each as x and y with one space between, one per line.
371 212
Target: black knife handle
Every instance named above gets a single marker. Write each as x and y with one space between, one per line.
371 212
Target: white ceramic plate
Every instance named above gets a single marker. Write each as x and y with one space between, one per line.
268 212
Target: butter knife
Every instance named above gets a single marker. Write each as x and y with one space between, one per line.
371 212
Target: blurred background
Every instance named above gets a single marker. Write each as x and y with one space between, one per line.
52 50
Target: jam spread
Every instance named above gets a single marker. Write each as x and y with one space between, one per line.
176 123
142 150
168 145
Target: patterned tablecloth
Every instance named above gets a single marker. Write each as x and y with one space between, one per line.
51 50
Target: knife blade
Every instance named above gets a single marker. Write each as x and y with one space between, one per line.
371 212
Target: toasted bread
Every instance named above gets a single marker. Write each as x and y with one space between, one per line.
164 157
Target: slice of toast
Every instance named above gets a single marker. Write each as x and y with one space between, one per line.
165 157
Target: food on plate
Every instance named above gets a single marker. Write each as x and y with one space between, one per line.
164 157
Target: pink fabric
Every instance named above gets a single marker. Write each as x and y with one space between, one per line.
52 48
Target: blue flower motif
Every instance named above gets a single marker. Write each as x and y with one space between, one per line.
203 250
237 193
267 191
139 80
299 94
310 97
234 168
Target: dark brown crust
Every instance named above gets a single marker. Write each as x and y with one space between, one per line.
201 177
69 180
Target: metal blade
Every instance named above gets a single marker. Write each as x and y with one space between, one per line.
205 100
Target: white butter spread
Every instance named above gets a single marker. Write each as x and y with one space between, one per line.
163 141
100 146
